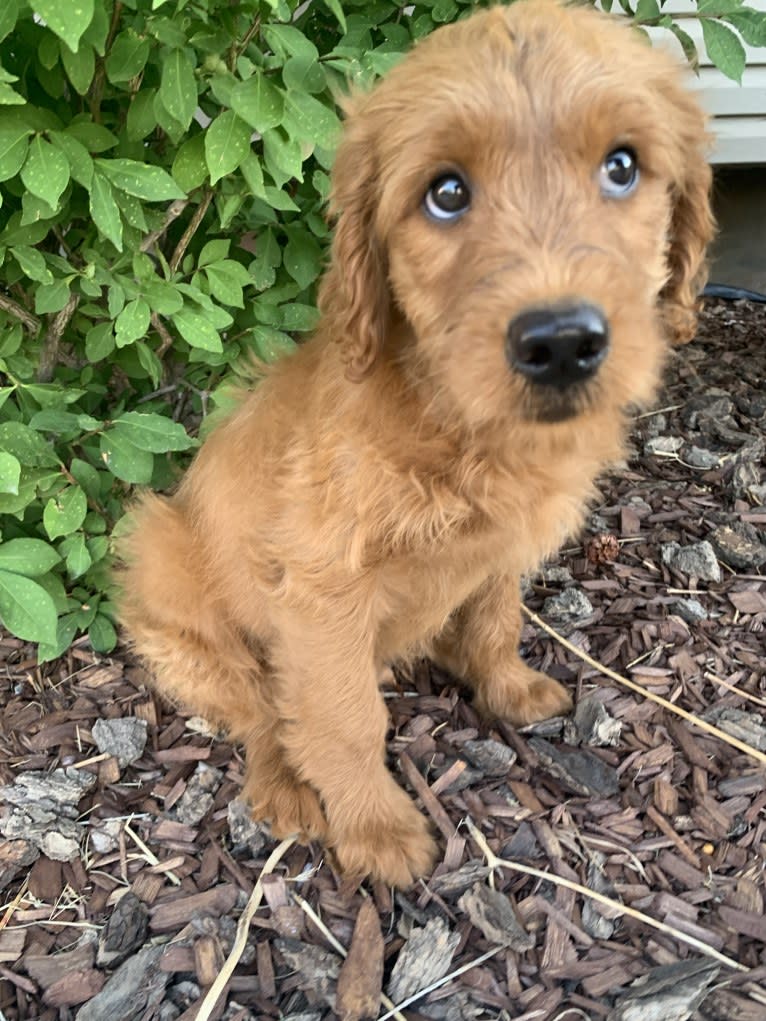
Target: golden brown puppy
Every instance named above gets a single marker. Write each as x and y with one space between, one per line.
522 215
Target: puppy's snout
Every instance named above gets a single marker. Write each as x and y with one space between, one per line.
558 345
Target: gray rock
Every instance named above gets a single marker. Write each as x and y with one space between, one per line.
592 724
197 799
124 738
491 757
557 576
134 990
739 546
666 445
45 811
577 769
697 560
690 610
698 457
568 607
424 958
491 912
243 831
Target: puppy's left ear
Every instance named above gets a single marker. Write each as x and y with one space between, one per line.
692 225
353 294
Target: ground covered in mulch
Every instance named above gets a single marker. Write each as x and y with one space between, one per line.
126 858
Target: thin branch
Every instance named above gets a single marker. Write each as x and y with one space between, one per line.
166 336
191 230
741 746
614 905
49 355
31 322
172 213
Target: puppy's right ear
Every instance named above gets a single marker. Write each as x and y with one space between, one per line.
353 294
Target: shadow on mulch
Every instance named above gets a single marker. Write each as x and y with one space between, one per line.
149 858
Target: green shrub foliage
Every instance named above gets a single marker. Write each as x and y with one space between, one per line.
163 172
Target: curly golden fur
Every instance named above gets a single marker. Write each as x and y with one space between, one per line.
380 493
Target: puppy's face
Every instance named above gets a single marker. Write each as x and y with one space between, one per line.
528 189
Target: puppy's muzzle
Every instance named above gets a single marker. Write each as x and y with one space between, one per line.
558 345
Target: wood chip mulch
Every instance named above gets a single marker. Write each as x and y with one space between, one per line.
126 858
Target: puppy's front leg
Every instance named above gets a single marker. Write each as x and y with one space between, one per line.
333 732
480 645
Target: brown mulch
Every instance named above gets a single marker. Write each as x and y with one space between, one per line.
132 910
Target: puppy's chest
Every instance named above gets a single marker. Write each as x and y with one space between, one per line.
417 594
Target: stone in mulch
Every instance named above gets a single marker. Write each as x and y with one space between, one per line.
591 724
569 607
697 560
424 958
199 796
123 738
45 812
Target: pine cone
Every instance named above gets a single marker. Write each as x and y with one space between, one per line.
602 548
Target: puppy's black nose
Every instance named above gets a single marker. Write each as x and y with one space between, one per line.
558 345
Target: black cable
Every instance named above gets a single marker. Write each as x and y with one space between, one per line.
732 293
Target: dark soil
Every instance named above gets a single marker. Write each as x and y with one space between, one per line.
643 806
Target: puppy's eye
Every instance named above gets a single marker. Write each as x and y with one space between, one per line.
618 174
447 198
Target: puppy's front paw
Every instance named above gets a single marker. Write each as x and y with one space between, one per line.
397 851
525 696
289 806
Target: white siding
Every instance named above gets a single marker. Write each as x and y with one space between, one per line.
739 112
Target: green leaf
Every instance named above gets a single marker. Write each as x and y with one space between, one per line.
67 20
337 10
51 297
14 145
258 102
687 44
65 512
30 557
304 75
197 330
227 142
162 297
10 472
288 40
283 156
9 12
178 89
9 96
271 344
88 477
78 558
101 633
724 49
127 57
46 171
751 25
309 119
144 180
132 323
124 459
78 157
99 342
95 137
226 279
189 166
647 10
80 66
302 256
299 318
104 210
28 446
149 431
32 263
142 119
26 608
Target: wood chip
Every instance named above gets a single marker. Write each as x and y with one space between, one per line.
361 976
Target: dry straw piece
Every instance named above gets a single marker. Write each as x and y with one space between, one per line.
621 909
709 728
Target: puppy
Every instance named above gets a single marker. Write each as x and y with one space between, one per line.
522 215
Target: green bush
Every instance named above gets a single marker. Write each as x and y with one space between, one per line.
163 170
